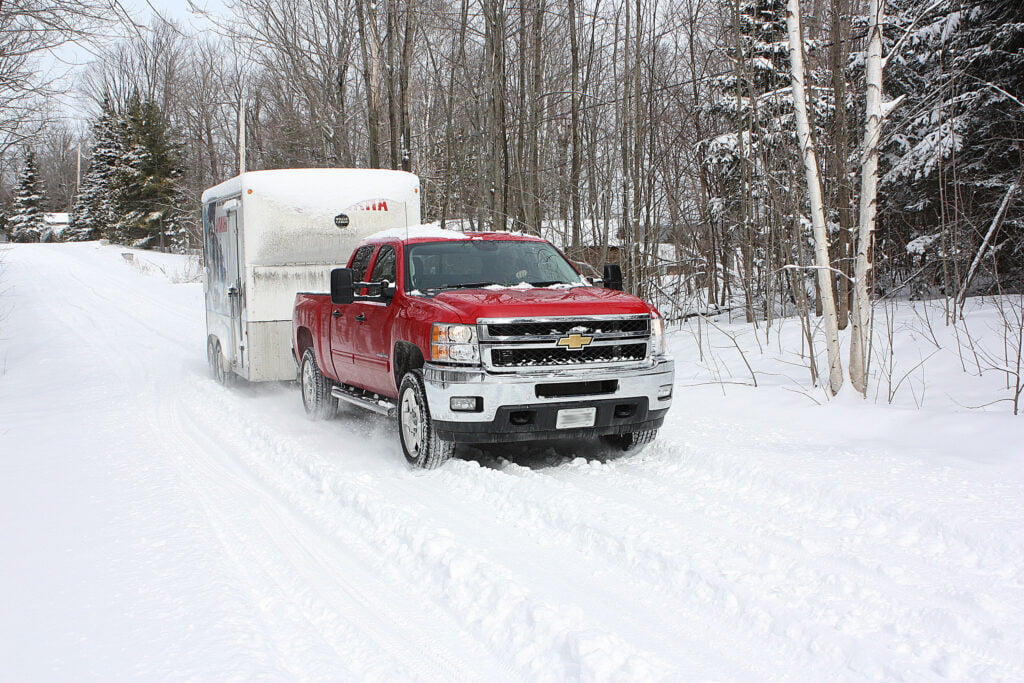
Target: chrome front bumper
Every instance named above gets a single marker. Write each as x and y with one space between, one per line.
497 390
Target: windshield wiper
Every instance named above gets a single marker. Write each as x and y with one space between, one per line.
548 283
466 285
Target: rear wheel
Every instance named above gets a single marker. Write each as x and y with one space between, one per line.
316 389
219 369
632 442
420 443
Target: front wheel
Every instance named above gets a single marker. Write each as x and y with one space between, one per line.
420 442
633 442
316 390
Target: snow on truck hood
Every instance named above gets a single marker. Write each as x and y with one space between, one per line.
539 302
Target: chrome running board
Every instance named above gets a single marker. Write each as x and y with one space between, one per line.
380 405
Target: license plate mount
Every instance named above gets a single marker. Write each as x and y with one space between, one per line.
575 418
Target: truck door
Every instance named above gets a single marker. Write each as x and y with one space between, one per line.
371 333
343 322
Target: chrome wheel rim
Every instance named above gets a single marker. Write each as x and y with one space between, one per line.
412 423
308 379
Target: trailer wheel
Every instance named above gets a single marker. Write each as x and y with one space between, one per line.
420 443
632 442
316 390
218 364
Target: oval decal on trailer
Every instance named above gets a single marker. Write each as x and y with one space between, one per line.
341 220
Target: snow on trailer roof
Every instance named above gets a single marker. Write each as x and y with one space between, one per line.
296 216
318 191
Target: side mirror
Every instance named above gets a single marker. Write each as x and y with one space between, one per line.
342 288
612 276
387 290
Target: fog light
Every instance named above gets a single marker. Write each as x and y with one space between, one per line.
465 404
664 391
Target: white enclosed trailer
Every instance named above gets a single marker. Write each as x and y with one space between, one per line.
270 234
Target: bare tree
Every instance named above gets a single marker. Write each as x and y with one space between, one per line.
874 112
814 193
29 29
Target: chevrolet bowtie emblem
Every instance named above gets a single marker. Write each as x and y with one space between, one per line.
575 341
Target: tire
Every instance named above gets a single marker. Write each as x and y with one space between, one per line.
219 369
316 389
420 442
631 442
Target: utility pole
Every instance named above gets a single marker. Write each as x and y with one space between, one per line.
241 135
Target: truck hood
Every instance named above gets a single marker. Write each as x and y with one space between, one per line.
539 302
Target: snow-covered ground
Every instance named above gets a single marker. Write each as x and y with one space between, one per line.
156 525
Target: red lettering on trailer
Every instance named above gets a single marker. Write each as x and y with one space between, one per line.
372 205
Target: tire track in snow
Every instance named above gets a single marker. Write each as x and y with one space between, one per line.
685 593
482 596
265 542
260 548
801 585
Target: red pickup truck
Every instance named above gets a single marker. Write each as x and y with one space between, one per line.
481 338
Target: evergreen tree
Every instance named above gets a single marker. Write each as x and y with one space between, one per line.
147 180
958 147
755 93
752 165
26 222
94 212
753 97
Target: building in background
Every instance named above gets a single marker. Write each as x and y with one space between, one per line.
56 224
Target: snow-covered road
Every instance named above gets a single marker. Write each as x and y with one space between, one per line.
154 524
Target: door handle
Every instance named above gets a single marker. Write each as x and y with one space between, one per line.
336 314
361 318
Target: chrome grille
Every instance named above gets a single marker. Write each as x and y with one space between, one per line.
520 357
607 340
558 328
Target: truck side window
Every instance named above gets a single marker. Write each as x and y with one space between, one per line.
360 260
384 266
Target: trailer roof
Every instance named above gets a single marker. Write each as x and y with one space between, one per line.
303 186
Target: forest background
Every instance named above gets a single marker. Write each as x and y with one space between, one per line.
661 134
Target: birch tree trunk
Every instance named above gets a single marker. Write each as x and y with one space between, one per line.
860 315
810 159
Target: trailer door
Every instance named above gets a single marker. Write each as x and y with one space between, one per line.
236 292
223 284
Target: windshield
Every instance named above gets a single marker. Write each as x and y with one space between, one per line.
479 263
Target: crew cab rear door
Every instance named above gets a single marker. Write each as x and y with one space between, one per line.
374 320
343 323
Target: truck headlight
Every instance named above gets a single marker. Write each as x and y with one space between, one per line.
454 344
657 335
